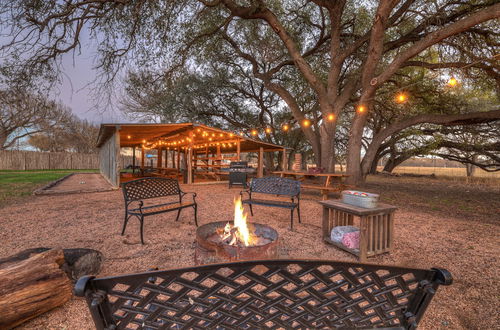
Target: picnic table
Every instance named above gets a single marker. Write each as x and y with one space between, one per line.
331 181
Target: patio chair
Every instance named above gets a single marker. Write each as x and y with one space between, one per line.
264 294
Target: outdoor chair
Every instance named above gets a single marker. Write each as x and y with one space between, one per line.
305 294
137 191
274 186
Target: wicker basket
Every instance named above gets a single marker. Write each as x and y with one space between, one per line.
360 198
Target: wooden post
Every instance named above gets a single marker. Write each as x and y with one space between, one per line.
159 159
133 160
284 164
260 166
238 150
142 157
178 158
189 159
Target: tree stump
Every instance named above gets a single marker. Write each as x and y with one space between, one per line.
31 286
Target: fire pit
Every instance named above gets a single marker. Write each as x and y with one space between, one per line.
234 241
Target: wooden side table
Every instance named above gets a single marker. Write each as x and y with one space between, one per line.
376 226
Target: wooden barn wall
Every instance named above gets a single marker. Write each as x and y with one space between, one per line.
109 159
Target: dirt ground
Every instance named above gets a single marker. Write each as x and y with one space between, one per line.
438 224
79 183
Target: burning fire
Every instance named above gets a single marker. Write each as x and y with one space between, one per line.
238 233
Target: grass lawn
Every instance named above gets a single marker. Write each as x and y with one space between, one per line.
15 183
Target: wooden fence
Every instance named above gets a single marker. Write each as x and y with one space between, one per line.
34 160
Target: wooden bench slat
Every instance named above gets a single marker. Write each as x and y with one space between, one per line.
270 202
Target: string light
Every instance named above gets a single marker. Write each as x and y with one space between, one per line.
286 127
331 117
268 130
452 82
306 123
401 97
241 133
361 108
129 137
254 132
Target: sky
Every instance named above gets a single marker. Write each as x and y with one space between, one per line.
76 92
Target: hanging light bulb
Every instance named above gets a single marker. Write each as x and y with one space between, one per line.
241 133
286 127
268 130
401 97
129 137
306 123
254 132
361 108
330 117
452 82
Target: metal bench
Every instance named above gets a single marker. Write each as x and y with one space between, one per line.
286 294
137 191
274 186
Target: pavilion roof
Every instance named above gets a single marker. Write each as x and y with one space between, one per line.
178 135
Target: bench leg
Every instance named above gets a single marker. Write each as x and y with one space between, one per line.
298 212
195 214
291 218
141 219
125 223
178 214
251 211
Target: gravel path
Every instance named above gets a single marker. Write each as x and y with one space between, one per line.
467 247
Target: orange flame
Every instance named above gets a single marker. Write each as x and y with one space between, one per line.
240 221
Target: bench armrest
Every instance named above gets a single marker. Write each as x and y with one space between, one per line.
188 192
248 191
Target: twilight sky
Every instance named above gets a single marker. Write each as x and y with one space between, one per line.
76 92
77 89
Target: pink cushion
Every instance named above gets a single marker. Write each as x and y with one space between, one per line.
351 240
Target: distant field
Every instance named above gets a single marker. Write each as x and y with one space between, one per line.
450 172
445 171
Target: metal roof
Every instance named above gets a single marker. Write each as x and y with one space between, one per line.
135 134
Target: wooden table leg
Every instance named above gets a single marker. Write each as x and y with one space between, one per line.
363 238
324 194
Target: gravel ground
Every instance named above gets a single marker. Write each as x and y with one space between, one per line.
464 243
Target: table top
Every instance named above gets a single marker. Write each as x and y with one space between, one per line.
311 174
356 210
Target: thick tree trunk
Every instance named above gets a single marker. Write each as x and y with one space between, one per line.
327 148
269 162
31 287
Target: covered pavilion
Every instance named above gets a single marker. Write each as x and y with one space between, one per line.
204 150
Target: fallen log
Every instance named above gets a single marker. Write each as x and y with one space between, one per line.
31 284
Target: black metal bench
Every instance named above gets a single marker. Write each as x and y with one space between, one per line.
147 188
274 186
305 294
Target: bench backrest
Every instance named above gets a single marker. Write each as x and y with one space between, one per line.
275 185
264 294
150 188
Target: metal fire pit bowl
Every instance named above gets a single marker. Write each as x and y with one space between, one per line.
212 252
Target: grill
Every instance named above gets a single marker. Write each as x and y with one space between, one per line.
238 172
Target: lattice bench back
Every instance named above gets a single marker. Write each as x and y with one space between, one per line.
150 188
275 186
264 294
